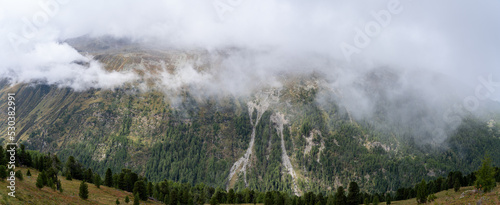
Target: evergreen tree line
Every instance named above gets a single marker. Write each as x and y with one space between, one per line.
171 192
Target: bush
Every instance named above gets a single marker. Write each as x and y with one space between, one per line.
19 175
431 198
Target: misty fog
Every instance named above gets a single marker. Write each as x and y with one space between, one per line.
431 63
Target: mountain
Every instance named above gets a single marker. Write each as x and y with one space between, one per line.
296 136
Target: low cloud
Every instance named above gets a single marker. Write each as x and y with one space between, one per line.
428 54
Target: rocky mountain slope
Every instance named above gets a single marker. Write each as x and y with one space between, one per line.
293 137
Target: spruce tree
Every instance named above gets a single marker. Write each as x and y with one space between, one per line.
213 201
136 199
166 200
117 201
3 172
39 181
173 197
97 180
269 199
108 179
456 185
127 199
375 200
141 190
330 200
3 159
485 177
230 196
84 190
367 201
44 177
353 195
28 173
388 200
150 189
421 192
50 183
88 175
340 198
68 176
19 175
59 185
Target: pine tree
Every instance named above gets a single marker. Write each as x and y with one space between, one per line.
68 176
421 192
230 196
44 177
375 200
108 180
340 198
127 199
166 200
330 200
73 168
141 190
269 199
173 197
50 183
3 172
456 185
213 201
136 199
84 190
353 195
485 177
59 185
150 189
3 159
19 175
39 181
97 180
117 201
88 175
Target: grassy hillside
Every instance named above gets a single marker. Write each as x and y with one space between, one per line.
28 193
464 196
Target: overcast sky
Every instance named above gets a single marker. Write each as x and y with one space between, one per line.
457 38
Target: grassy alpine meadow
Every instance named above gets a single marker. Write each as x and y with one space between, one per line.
463 196
28 193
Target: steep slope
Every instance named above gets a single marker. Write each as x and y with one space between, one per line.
288 138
